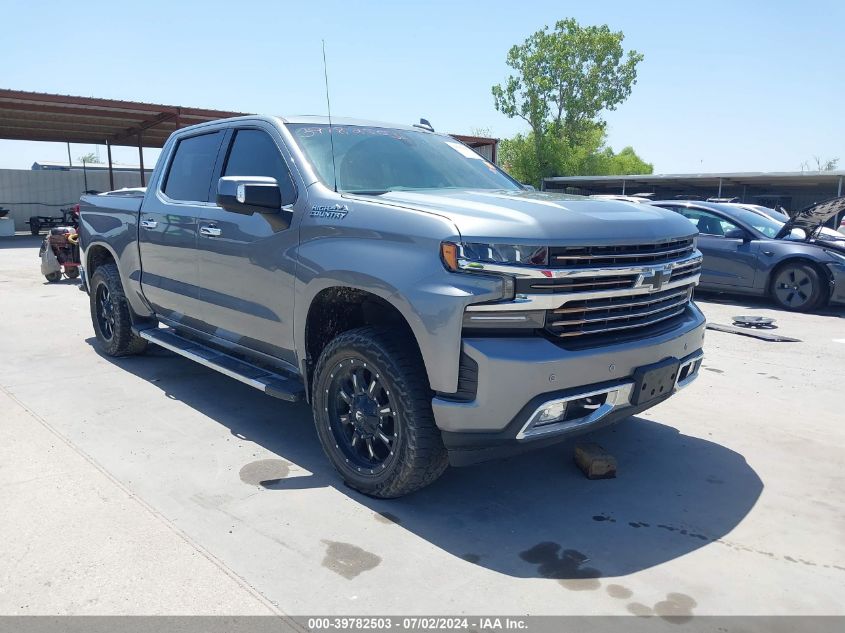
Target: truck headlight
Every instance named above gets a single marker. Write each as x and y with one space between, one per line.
473 255
477 257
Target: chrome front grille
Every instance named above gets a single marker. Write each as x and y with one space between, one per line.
602 293
575 284
617 313
592 256
686 270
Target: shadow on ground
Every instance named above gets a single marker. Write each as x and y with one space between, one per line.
529 516
21 241
745 302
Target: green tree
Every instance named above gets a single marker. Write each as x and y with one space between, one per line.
829 164
590 156
88 158
564 79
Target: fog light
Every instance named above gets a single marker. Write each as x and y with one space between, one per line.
551 413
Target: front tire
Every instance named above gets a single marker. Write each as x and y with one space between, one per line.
72 272
53 277
372 409
110 314
797 287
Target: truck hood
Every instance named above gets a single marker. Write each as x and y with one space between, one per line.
545 218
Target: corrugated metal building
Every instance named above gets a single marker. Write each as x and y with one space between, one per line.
48 165
45 192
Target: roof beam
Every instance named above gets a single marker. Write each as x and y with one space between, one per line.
127 114
105 129
59 136
146 125
38 97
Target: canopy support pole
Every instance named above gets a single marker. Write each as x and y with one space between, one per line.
111 169
141 159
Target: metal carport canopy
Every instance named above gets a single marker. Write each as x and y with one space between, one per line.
36 116
807 178
39 116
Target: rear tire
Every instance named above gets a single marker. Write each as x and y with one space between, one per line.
110 314
51 277
72 272
34 226
372 409
797 287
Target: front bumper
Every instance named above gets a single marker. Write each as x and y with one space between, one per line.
837 286
516 376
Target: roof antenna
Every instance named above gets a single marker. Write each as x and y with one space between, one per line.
329 108
425 125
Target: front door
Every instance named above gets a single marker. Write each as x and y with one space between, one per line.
167 235
727 261
246 262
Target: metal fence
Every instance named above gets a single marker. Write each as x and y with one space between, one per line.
27 193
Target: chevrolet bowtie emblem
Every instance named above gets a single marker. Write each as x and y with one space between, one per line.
655 278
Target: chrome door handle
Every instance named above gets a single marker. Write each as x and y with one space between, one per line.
210 231
149 224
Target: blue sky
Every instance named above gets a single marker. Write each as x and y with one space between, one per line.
725 86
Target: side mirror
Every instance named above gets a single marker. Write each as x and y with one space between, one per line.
737 234
249 194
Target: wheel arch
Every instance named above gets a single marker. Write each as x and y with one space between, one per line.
819 267
334 308
96 255
796 259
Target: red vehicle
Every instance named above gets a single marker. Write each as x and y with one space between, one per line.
60 253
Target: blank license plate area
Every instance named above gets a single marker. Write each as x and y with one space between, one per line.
654 381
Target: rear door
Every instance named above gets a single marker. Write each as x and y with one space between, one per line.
246 265
167 235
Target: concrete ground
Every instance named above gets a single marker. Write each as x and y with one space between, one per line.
152 485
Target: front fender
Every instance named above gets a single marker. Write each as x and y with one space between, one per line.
413 280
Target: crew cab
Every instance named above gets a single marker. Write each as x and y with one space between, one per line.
430 308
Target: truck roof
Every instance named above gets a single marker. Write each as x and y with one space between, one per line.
324 120
315 120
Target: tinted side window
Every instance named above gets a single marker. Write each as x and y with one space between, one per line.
254 153
708 223
189 176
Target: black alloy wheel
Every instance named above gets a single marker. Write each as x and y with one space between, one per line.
105 312
111 315
372 412
361 417
797 287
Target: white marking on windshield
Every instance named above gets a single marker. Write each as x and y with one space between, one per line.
463 150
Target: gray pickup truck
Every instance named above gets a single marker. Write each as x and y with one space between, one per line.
430 308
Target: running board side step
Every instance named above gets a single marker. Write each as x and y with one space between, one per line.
278 385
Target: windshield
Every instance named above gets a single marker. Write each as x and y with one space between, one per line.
375 160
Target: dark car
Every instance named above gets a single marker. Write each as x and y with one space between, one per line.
794 262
